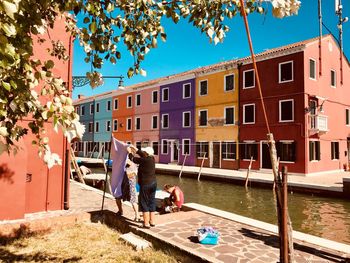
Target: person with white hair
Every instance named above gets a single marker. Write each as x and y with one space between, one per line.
147 181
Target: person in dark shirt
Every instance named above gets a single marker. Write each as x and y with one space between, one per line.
147 181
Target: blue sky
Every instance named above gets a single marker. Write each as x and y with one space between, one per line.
186 48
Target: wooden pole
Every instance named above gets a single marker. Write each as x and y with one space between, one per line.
284 215
76 166
182 167
248 171
200 170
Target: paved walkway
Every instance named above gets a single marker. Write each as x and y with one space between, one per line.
241 239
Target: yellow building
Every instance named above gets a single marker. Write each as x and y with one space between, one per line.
217 115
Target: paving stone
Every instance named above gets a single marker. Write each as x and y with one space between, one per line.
227 258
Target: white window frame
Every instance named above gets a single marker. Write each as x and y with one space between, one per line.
314 60
335 78
115 121
110 105
314 160
199 87
234 119
183 146
163 94
91 108
114 108
244 106
152 145
110 128
154 91
183 90
153 122
226 159
162 147
136 96
137 118
280 110
279 72
127 122
97 107
231 74
250 87
165 114
199 119
183 119
129 98
97 126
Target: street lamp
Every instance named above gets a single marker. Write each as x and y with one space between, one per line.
80 81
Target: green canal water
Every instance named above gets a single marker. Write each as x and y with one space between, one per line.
324 217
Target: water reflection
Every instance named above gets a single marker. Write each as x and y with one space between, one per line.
323 217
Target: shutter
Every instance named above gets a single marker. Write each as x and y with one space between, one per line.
310 151
255 151
318 152
294 151
197 149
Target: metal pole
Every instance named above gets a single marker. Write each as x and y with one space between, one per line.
339 12
320 36
106 177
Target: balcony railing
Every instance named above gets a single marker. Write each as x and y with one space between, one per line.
319 123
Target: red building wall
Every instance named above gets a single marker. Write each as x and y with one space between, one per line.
26 183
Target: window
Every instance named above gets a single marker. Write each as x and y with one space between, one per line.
115 125
77 110
229 82
312 69
314 151
285 72
333 78
138 99
347 116
82 110
286 110
108 126
165 121
91 127
92 109
154 96
97 107
128 124
229 150
248 150
155 147
229 115
97 126
115 104
186 119
109 104
137 123
335 150
138 145
186 146
202 149
248 79
186 91
155 122
129 102
286 151
203 88
203 117
164 147
248 113
165 95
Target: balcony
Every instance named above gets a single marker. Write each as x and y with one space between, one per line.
318 123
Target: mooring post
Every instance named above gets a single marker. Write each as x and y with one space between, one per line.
182 167
285 215
200 170
248 171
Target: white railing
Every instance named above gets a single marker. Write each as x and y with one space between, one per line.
319 123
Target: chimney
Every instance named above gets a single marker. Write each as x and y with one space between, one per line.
80 96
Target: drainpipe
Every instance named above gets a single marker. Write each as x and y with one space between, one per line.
320 37
239 65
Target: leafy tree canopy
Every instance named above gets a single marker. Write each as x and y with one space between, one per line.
107 25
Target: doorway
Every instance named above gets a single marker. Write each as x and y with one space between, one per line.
216 155
265 156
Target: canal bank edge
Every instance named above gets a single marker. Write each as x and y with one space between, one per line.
314 240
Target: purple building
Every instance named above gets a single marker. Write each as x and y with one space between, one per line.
177 108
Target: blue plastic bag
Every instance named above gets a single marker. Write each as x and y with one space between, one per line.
208 235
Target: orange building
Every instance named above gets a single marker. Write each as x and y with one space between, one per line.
217 115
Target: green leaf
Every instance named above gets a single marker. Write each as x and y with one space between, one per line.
49 64
6 85
93 27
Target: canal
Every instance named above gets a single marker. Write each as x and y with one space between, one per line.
324 217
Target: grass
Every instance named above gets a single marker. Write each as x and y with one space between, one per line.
84 242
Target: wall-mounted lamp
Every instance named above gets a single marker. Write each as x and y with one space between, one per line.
121 124
80 81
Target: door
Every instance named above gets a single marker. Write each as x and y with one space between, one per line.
174 150
216 154
265 156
